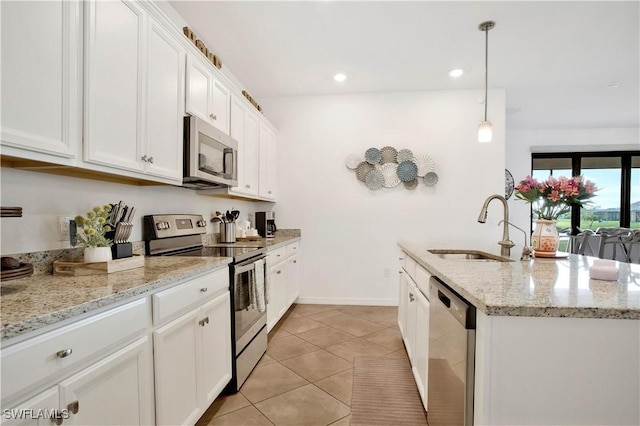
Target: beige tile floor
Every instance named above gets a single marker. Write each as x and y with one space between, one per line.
305 378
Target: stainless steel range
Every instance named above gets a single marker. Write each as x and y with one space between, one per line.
180 235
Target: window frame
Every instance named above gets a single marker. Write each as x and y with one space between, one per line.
625 179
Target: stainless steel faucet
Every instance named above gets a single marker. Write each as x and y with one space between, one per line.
526 250
506 243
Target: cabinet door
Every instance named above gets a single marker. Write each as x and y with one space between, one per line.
421 346
199 84
293 280
277 295
117 390
45 403
165 108
114 57
267 158
250 144
175 351
410 329
236 131
403 302
214 370
41 83
221 103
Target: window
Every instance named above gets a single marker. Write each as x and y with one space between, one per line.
617 175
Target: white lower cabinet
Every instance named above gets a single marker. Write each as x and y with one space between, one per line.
192 361
96 371
117 390
413 320
284 282
45 406
277 295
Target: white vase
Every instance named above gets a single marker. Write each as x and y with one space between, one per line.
545 238
97 254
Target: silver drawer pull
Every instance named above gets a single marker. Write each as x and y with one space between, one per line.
247 186
64 353
213 117
278 272
204 289
411 298
57 418
295 261
74 407
204 321
151 160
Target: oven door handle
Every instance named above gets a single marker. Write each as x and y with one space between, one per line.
248 267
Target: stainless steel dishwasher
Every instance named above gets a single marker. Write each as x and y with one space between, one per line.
452 344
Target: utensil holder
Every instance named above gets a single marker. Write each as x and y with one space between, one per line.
228 232
121 250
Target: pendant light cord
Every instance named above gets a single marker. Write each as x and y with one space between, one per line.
486 71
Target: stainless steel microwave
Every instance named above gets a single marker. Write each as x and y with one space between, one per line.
210 156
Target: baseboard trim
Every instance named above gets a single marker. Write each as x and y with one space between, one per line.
339 301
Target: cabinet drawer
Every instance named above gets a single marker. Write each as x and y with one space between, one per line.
277 256
292 249
172 301
409 265
422 280
36 359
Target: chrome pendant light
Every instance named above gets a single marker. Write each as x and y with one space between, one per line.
485 130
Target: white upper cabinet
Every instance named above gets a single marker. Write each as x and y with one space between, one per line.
165 104
114 88
244 129
133 92
207 96
268 159
41 80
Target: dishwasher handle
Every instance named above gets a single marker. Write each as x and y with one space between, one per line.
444 299
463 311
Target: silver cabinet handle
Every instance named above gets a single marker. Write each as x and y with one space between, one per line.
411 298
204 321
279 272
295 261
247 186
145 158
151 160
74 407
64 353
269 192
57 418
204 289
213 117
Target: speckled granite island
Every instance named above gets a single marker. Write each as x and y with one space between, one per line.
553 346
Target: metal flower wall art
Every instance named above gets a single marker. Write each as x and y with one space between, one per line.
388 167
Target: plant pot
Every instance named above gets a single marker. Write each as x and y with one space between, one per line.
545 238
97 254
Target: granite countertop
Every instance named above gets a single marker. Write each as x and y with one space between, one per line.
34 302
537 287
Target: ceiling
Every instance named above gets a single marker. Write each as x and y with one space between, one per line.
556 60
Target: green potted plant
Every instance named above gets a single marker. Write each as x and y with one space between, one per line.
91 233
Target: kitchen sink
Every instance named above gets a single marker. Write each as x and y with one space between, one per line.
467 255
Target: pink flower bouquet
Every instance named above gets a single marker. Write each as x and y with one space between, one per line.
554 197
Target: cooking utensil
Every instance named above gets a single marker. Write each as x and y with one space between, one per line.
229 216
235 214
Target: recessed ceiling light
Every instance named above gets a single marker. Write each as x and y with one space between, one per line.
340 77
456 72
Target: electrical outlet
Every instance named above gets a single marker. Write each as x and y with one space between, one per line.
63 228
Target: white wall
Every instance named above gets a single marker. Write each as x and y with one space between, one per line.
350 233
521 143
44 197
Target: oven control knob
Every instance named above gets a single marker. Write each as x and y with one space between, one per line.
201 224
162 226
